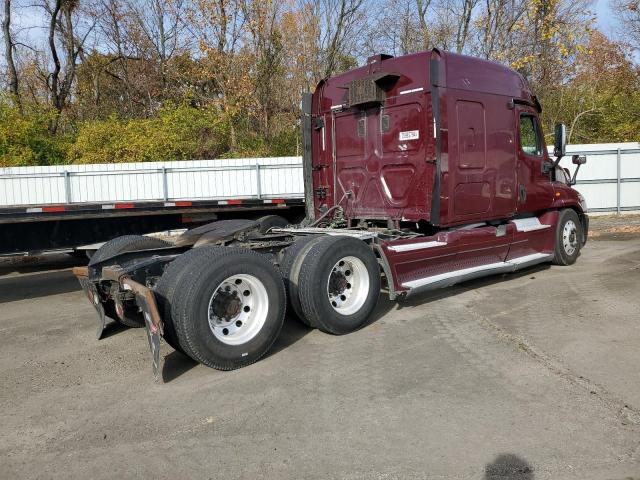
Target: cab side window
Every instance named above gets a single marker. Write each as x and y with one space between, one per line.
530 140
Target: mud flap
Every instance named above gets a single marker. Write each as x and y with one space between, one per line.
152 322
92 294
153 336
145 301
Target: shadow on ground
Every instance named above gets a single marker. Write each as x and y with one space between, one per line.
429 296
175 365
40 276
508 466
37 285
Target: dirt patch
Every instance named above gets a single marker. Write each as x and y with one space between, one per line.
614 227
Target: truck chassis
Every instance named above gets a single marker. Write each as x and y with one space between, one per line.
124 286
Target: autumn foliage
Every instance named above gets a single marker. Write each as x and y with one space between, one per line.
144 80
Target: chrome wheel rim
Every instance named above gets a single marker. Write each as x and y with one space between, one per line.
348 285
570 237
238 309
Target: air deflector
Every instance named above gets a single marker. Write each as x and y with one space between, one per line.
370 90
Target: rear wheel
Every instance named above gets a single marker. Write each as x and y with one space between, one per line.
129 315
569 238
290 265
228 307
339 284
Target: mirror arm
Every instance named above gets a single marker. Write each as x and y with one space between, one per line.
575 175
550 167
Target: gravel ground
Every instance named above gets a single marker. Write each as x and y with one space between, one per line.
526 376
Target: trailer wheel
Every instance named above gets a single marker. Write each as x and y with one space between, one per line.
339 284
290 265
569 238
271 221
131 316
228 307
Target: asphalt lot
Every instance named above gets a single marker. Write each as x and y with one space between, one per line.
527 376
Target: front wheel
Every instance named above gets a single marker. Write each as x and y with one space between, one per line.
228 307
339 284
569 238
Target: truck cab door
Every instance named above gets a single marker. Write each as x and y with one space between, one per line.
534 187
482 166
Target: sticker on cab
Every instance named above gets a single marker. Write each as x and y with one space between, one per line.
409 135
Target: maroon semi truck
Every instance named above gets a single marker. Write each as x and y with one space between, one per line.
420 172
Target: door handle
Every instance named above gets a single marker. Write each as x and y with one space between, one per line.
522 193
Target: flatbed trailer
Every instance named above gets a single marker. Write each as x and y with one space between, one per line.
67 206
420 172
35 228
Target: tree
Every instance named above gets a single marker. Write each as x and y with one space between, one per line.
8 52
629 14
62 33
600 101
262 19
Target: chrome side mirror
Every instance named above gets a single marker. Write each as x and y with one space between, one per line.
579 159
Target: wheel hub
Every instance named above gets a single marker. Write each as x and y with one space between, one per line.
348 285
570 237
337 283
226 305
238 309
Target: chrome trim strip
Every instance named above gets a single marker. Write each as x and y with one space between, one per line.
421 282
450 278
407 247
530 258
413 90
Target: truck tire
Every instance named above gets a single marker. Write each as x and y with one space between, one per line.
271 221
569 238
164 292
228 307
131 317
290 268
339 284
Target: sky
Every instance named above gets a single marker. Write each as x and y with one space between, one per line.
604 15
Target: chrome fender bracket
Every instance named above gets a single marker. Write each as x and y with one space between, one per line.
89 288
152 322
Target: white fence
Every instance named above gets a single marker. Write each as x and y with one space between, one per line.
610 181
178 180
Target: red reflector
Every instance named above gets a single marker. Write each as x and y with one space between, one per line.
277 200
184 204
53 209
234 202
124 205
